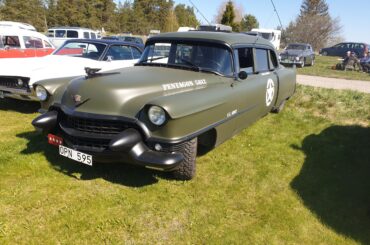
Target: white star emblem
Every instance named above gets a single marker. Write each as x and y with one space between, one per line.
270 91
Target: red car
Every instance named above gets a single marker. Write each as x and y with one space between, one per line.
19 43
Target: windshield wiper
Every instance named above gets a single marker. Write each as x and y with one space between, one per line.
152 59
188 62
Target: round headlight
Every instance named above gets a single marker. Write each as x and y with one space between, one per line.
157 115
297 58
41 93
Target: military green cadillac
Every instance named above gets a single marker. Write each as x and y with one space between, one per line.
189 93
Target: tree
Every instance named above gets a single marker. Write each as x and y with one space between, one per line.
314 25
185 16
31 11
238 11
171 24
314 7
248 23
228 15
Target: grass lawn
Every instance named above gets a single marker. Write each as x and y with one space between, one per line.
299 177
323 67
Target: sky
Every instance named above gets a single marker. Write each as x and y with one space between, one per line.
355 23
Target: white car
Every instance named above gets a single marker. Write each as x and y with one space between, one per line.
18 75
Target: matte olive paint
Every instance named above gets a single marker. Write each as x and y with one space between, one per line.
226 104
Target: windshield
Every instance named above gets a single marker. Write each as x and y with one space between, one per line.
296 47
82 49
203 57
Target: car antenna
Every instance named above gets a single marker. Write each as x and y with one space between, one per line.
198 11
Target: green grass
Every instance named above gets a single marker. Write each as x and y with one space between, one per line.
323 67
299 177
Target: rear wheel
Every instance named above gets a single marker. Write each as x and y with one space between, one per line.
186 169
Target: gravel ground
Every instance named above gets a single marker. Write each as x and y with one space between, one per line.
335 83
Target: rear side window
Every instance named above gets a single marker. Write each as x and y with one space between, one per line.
93 35
118 52
273 60
262 61
246 60
72 34
86 35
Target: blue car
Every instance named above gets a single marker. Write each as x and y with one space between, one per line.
340 49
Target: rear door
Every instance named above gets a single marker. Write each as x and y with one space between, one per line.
255 95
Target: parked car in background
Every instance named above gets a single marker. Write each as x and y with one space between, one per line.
22 43
170 106
341 49
300 54
18 76
132 39
274 36
58 35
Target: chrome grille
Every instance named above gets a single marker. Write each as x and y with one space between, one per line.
13 82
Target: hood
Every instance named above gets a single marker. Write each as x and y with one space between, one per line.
54 66
292 52
126 91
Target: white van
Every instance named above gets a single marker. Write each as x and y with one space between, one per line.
274 36
58 35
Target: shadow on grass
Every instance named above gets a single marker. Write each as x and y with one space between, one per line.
123 174
334 182
26 107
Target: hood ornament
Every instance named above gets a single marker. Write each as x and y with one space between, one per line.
91 72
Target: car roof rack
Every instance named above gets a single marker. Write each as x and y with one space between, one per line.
215 27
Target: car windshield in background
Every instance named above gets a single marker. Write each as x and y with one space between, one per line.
296 47
81 49
197 56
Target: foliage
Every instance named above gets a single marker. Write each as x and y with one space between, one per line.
299 177
228 15
31 12
248 23
138 16
314 7
314 25
185 16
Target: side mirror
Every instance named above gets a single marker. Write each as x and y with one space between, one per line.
243 75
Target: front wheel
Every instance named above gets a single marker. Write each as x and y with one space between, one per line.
187 168
324 53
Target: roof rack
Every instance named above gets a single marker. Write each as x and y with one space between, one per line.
215 27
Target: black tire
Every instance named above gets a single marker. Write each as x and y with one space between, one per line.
187 168
303 63
279 108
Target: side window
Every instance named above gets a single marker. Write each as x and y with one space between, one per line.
273 60
246 60
12 42
86 35
136 53
1 42
262 61
72 34
51 33
47 44
118 52
32 42
93 35
60 33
